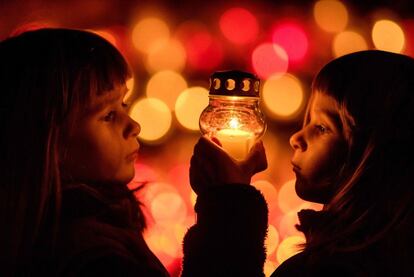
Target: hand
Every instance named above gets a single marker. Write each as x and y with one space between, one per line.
211 165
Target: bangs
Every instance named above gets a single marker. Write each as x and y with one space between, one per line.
104 69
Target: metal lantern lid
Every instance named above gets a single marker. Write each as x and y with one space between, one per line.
234 83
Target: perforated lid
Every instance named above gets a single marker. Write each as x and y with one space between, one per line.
234 83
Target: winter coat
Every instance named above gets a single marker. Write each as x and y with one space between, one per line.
100 235
228 237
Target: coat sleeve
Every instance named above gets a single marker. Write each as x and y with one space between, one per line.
228 237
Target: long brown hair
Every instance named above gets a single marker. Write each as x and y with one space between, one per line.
374 205
46 76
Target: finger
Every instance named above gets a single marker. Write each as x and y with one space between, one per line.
209 149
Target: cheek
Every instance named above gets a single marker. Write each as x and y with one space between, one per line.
316 182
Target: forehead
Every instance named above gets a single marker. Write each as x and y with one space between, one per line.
99 101
324 103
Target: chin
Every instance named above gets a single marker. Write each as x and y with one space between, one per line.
309 193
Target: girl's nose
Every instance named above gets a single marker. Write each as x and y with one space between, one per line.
297 141
133 128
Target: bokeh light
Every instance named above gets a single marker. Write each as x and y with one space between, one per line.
348 42
292 38
283 96
149 33
106 35
286 226
288 200
387 35
166 86
150 112
239 25
331 15
289 247
204 51
189 106
269 267
269 59
268 190
272 239
168 55
143 174
168 208
163 243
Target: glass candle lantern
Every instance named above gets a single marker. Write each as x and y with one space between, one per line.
233 115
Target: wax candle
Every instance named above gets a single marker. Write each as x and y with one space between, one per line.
235 142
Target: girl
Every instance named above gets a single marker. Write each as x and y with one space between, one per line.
352 155
67 152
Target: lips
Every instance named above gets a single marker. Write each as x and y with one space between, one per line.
296 168
133 155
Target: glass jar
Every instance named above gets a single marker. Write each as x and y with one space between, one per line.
233 115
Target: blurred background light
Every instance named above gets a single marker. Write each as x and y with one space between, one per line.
272 240
282 96
269 59
292 38
287 197
239 25
387 35
166 86
154 116
348 42
173 48
289 247
204 51
167 55
168 208
150 33
106 35
331 15
189 105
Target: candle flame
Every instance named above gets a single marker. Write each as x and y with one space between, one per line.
234 123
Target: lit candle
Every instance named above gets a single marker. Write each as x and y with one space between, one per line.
235 142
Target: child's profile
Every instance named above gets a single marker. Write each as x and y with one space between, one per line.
352 155
68 152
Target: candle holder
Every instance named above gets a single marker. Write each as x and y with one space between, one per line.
233 115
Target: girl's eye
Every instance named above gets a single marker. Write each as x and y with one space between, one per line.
110 116
321 129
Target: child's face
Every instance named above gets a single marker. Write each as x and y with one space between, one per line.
319 150
103 145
